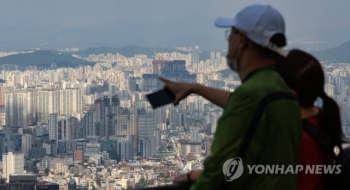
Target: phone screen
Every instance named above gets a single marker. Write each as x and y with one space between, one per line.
161 98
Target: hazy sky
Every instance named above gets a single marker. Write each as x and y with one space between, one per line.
299 14
307 21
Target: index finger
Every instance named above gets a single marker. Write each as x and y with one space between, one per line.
164 80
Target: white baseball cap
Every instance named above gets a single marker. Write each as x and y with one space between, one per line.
260 23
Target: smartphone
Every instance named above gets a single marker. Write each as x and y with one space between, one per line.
161 98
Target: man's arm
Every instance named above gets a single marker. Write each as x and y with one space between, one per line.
182 90
216 96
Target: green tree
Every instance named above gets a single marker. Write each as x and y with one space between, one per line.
98 181
168 180
35 170
161 175
47 170
141 183
35 162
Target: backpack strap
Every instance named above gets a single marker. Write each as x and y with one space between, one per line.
254 123
316 134
257 117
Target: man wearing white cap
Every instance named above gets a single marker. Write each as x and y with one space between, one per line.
255 38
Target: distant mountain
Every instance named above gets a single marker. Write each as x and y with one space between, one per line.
44 59
340 54
318 39
128 51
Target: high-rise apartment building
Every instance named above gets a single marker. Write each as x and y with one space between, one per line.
70 101
132 84
54 133
194 135
160 115
98 118
150 82
53 126
3 143
68 127
125 124
16 109
195 55
12 163
158 136
214 117
88 124
47 103
27 143
125 147
146 134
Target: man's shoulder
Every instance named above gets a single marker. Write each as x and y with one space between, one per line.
264 82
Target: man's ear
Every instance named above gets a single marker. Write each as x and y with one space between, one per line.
243 41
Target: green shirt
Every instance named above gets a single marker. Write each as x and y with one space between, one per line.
276 140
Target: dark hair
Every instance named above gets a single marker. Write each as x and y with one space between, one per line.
278 39
303 73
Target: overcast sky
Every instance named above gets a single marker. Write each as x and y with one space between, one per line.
299 14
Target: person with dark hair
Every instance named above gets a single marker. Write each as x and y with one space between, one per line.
304 75
256 38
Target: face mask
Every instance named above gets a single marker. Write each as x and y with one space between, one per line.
232 63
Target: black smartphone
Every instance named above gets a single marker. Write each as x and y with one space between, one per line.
161 98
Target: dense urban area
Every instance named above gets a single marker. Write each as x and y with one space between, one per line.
91 127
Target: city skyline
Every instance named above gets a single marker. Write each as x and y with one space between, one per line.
74 76
65 117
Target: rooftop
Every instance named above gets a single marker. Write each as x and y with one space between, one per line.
133 163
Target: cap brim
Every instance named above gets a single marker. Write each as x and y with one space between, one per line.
224 22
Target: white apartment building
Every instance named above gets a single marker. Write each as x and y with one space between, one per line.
12 163
70 101
16 109
47 103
